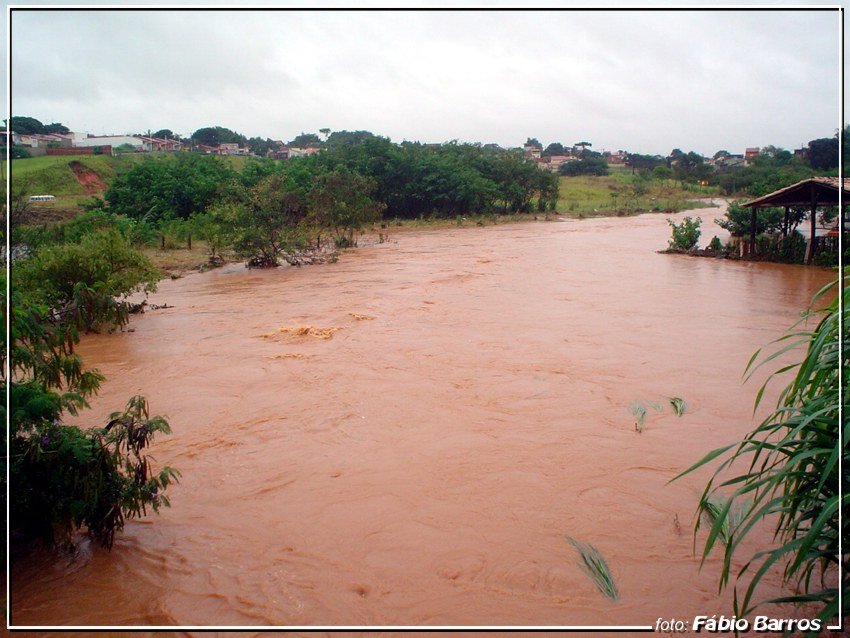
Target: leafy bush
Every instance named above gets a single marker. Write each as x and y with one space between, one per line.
169 187
791 249
136 231
212 227
89 281
64 477
715 244
588 165
792 472
19 152
685 235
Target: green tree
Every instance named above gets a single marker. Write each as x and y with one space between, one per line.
555 148
260 146
587 165
56 127
25 125
260 236
661 172
165 133
305 140
214 227
217 135
341 202
347 138
738 219
583 146
823 153
165 187
643 162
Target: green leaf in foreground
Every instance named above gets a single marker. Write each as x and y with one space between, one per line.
790 473
593 564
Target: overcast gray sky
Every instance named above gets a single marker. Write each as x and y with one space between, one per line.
646 81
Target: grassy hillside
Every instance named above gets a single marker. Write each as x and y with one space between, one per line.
52 175
584 196
623 193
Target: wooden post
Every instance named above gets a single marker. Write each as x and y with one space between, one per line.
753 230
810 249
162 241
189 240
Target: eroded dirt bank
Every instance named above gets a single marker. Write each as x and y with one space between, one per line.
461 403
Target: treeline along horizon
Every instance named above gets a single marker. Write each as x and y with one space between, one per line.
410 180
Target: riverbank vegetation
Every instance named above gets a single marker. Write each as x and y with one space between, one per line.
262 210
67 473
791 472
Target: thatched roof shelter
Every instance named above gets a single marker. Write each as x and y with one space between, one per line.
812 192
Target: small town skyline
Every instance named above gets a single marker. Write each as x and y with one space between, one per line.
744 152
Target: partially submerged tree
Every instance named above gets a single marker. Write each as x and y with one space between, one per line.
341 202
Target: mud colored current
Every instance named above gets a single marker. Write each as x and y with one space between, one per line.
405 437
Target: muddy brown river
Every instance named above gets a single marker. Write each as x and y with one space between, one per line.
405 437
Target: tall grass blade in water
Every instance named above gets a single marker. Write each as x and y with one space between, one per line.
791 472
594 565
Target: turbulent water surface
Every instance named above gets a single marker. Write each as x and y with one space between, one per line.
405 437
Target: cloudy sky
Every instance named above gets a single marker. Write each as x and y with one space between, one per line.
643 81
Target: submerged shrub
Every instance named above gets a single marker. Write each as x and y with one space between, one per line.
65 477
685 235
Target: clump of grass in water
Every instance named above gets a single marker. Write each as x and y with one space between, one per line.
638 410
678 405
639 413
594 565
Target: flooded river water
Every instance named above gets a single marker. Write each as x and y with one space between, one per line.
461 403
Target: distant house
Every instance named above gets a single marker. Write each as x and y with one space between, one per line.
112 140
303 152
233 148
533 152
750 154
729 161
279 152
161 144
553 163
41 140
140 143
615 159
